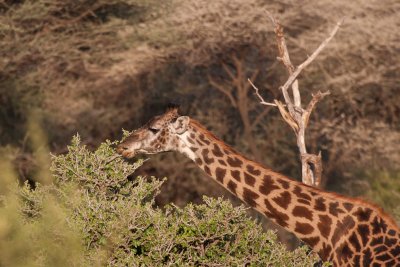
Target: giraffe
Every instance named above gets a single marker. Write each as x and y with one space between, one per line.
343 230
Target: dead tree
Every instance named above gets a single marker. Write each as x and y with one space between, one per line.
292 111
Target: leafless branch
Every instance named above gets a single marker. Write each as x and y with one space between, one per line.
316 98
286 116
292 112
262 101
307 62
252 78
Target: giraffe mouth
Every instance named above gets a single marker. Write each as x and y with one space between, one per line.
128 154
128 150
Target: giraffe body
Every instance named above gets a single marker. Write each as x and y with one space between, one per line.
343 230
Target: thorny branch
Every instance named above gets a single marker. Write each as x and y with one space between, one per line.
292 111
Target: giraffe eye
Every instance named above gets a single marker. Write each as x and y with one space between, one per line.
153 130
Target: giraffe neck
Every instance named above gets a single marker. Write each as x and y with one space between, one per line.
336 227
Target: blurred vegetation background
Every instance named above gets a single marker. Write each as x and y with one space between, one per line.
96 66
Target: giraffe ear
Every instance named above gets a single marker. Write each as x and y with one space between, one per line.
180 125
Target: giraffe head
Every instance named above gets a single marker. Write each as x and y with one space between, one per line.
160 134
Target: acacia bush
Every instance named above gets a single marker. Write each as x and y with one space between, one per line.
95 212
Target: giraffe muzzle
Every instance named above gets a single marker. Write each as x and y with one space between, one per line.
125 152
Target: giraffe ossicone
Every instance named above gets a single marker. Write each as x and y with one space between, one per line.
344 230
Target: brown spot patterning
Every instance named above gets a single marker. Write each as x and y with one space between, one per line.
325 251
362 214
334 210
324 225
203 139
236 175
311 241
227 151
234 162
348 206
378 226
320 204
198 161
283 199
250 180
300 211
207 160
342 228
354 241
363 231
222 162
268 185
252 170
303 228
284 183
376 241
220 174
250 197
279 217
217 151
298 192
344 253
232 186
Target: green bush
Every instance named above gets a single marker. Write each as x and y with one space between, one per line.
94 213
